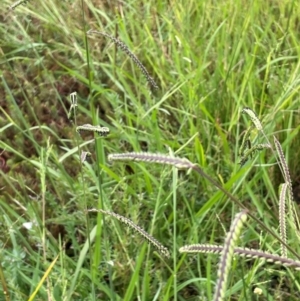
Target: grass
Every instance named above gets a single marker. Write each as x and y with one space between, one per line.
210 60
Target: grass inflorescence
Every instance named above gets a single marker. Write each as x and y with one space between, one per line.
163 250
100 130
243 252
134 58
227 255
180 163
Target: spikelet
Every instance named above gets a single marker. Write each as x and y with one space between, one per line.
74 105
252 150
180 163
256 122
282 224
162 249
102 131
242 252
227 254
134 58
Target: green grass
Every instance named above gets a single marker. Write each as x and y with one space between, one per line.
210 59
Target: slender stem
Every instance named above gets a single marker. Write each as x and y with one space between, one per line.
175 178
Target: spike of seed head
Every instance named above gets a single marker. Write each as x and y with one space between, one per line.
102 131
253 118
227 254
18 3
282 220
287 178
180 163
134 58
162 249
285 168
242 252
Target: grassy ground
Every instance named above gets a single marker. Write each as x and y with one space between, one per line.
210 59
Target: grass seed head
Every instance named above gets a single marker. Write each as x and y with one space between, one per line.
102 131
253 118
134 58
